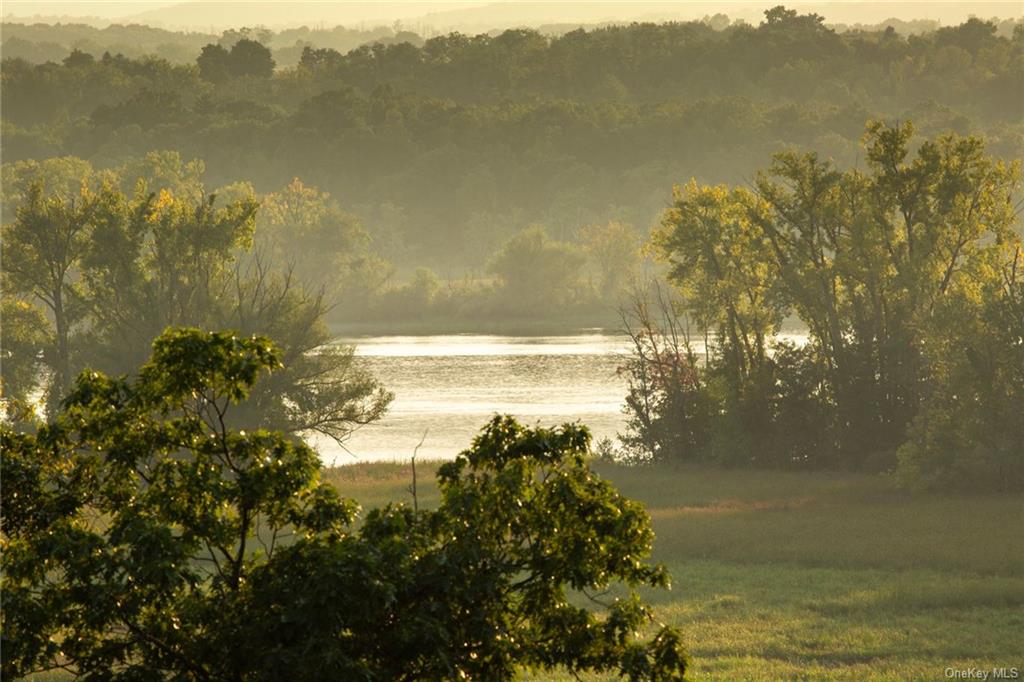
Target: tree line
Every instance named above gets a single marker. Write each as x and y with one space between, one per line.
908 277
465 140
303 233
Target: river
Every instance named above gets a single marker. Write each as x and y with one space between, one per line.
448 386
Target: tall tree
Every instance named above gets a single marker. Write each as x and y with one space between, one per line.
869 262
43 249
868 257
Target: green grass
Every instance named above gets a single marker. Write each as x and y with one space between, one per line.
812 576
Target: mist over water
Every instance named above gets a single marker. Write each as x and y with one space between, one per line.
449 386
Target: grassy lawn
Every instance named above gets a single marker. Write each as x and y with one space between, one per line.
813 576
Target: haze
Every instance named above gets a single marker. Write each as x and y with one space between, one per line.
477 16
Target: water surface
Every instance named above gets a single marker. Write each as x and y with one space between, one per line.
448 386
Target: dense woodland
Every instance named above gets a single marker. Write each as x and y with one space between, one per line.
466 140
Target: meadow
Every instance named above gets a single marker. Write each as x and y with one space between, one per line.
811 575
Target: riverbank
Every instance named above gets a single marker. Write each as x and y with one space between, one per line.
810 575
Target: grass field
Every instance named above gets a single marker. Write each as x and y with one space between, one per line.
813 576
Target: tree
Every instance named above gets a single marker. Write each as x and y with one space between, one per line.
321 389
304 227
43 249
536 271
969 433
155 261
78 60
867 258
113 271
23 339
250 58
614 251
220 554
721 265
170 260
883 267
670 410
214 63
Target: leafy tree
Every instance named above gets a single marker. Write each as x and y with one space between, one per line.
78 59
144 539
536 271
114 271
614 252
214 63
867 259
250 58
721 263
968 433
881 267
157 261
23 339
303 226
43 249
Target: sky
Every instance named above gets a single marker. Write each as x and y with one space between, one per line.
478 15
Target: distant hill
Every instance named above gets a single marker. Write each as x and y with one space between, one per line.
533 12
438 16
201 14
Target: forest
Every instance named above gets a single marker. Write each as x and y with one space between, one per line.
806 238
467 140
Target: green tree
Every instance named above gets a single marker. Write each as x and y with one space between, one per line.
144 539
43 250
535 271
214 63
304 227
969 433
157 261
614 253
23 339
721 265
169 260
868 257
877 265
250 58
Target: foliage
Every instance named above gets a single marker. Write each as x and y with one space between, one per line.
23 339
536 271
472 137
43 250
145 539
245 58
614 253
969 430
114 270
306 229
888 270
